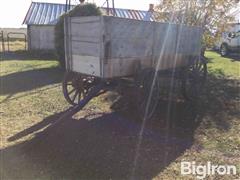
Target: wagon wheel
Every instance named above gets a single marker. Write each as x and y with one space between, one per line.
76 87
194 79
148 93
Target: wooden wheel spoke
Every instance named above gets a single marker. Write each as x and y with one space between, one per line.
70 92
201 70
79 96
76 87
75 95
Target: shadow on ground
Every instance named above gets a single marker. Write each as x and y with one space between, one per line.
24 81
102 147
220 100
28 55
28 80
234 56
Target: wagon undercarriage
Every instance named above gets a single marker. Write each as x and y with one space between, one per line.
79 89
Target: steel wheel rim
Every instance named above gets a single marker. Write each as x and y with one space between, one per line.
76 87
194 82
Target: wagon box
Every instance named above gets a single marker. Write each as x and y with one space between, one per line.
108 47
102 49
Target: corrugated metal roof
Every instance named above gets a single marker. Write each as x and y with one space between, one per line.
47 13
131 14
44 13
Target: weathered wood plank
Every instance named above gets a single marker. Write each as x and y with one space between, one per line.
85 48
124 43
86 64
86 29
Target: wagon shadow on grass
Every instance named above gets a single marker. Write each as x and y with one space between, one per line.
99 147
234 56
28 80
104 147
22 55
220 100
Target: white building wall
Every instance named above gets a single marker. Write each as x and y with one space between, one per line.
41 37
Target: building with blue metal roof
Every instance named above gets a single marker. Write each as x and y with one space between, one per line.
42 17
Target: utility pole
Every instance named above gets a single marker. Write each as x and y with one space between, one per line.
66 6
113 6
107 7
69 5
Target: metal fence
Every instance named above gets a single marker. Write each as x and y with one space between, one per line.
13 41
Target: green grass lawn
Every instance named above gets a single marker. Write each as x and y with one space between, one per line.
31 94
30 91
223 66
217 139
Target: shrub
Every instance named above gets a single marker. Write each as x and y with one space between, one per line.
80 10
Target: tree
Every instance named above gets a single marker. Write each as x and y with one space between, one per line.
211 15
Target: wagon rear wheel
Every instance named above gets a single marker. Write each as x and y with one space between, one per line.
148 93
194 79
76 87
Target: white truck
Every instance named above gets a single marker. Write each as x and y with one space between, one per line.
230 40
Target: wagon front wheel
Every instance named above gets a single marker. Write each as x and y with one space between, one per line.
76 87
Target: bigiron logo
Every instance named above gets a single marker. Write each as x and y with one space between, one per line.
201 171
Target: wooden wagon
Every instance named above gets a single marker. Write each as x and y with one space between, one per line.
100 49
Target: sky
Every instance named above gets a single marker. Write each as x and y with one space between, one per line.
12 12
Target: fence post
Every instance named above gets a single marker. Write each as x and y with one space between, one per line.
2 38
25 42
8 41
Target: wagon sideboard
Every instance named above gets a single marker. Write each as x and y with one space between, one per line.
109 47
